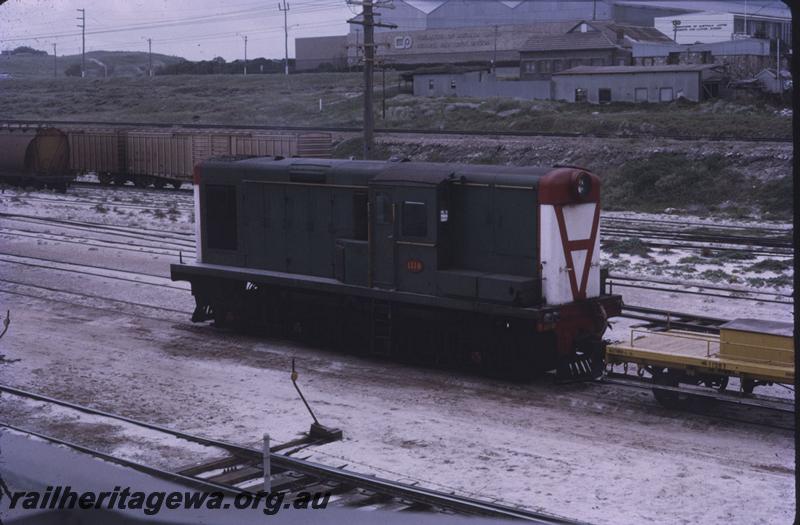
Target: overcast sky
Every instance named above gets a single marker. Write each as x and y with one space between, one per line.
194 29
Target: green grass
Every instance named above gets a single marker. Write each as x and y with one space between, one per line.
631 245
117 63
772 265
294 100
710 183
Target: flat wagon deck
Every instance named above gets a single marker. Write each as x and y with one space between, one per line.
757 352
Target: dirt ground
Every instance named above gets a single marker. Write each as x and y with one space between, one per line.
585 451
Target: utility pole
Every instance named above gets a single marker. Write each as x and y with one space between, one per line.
594 9
368 21
494 60
285 10
55 62
150 57
245 53
383 89
82 18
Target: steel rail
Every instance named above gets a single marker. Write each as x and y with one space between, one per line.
402 131
689 292
751 400
696 285
147 469
415 494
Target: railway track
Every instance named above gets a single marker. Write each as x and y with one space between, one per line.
241 470
673 319
645 283
396 131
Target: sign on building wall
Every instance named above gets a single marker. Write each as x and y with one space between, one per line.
705 28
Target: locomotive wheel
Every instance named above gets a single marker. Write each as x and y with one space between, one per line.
668 398
105 178
176 184
141 182
159 183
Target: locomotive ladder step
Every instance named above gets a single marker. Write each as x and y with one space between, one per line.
381 328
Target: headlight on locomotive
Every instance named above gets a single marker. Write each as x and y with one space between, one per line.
583 185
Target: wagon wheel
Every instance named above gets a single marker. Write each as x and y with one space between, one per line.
140 182
105 178
176 184
720 383
748 385
159 183
668 398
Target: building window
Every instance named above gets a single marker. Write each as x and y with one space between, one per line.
665 94
580 95
738 25
674 58
705 57
220 219
430 85
598 62
556 66
452 84
530 67
641 94
603 95
415 219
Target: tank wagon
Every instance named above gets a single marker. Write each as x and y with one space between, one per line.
34 156
160 158
492 266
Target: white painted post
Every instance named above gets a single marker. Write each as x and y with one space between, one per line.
320 105
267 470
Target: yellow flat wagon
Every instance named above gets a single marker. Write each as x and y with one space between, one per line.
758 352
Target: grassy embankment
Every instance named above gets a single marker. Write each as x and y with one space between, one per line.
650 182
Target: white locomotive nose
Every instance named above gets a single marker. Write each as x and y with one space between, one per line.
569 216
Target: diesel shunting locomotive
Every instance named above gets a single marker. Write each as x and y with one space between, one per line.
494 267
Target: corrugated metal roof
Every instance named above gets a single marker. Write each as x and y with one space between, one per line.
601 35
754 8
602 70
568 41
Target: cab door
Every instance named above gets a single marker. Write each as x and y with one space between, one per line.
404 237
382 237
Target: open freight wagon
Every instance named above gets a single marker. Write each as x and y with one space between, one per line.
159 158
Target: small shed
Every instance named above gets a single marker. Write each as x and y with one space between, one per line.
599 84
774 83
476 83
